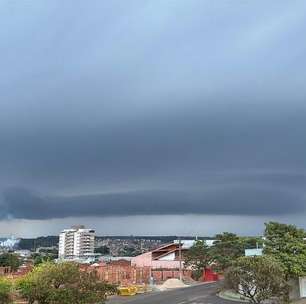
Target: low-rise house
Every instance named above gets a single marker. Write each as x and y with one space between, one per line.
167 257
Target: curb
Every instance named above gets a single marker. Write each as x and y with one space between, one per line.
222 295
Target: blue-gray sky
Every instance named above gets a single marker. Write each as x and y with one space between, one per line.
152 117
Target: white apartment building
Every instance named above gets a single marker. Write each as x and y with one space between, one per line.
76 243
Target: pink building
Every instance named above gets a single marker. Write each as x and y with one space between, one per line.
166 257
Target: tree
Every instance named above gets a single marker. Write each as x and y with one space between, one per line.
35 286
226 249
39 258
129 251
198 258
91 290
252 242
10 260
104 250
49 253
43 241
286 243
5 291
257 278
63 283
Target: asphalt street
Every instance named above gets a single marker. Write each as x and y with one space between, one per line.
199 294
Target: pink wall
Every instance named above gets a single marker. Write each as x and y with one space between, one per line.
166 264
145 260
142 260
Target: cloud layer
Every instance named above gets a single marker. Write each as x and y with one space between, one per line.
152 108
243 198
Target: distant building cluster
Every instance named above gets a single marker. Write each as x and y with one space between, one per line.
76 243
128 246
9 243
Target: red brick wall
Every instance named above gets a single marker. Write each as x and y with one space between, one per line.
123 275
127 275
5 270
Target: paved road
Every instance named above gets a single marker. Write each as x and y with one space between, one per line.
200 294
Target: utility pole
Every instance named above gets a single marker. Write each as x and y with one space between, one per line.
180 258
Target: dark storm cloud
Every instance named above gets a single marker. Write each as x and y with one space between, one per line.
182 148
202 102
226 200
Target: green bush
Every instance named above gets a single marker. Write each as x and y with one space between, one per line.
63 283
257 278
5 291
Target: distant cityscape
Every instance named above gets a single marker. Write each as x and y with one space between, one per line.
105 246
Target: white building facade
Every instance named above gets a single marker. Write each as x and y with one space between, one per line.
76 243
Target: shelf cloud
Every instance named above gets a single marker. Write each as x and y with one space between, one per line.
225 200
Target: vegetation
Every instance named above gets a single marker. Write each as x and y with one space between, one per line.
44 255
10 260
104 250
129 251
41 258
252 242
33 244
63 283
286 243
5 291
198 258
227 248
260 278
257 278
49 251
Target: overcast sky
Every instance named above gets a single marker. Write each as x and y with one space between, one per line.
152 117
